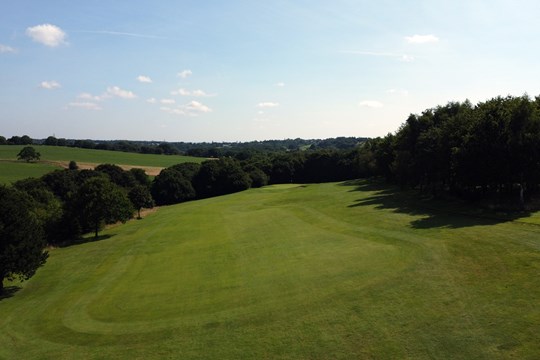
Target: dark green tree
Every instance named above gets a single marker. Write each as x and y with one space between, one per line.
21 237
140 197
170 187
28 153
101 202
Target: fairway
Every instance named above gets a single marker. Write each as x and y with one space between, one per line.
322 271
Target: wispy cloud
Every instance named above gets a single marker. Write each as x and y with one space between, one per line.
151 100
402 57
115 91
267 104
401 92
119 33
144 79
167 101
421 39
280 84
370 104
184 73
88 96
193 108
4 49
47 34
84 105
195 93
50 85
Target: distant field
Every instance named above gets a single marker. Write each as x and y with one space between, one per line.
56 157
324 271
15 170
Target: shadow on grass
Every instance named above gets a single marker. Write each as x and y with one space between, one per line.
449 213
85 240
9 291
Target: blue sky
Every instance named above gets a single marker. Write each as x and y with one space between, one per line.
246 70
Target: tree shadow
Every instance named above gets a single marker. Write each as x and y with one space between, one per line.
85 240
434 213
9 291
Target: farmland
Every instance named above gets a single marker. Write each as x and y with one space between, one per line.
322 271
56 157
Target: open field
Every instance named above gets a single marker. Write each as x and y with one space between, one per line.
323 271
16 170
57 157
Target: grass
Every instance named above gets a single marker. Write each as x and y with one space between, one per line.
61 153
324 271
11 171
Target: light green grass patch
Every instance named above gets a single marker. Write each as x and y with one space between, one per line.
323 271
11 171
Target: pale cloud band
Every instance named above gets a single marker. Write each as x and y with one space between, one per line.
144 79
185 73
84 105
4 49
50 85
194 93
267 104
118 92
47 34
422 39
402 57
370 104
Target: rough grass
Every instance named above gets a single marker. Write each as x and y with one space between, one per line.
326 271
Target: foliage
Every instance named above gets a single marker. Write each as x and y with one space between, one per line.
140 197
100 202
21 237
170 187
28 153
73 165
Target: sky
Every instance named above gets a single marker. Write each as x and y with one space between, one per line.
254 70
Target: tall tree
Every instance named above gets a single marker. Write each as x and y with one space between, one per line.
21 237
28 153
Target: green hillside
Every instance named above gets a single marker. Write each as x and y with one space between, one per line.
324 271
11 171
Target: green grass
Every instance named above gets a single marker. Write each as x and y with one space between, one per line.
11 171
326 271
60 153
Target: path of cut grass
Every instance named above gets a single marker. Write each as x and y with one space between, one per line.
329 271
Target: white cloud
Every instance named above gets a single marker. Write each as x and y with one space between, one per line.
144 79
280 84
167 101
421 39
88 96
402 57
47 34
194 93
184 74
85 105
197 106
50 85
268 104
4 49
193 108
151 100
116 91
371 104
398 92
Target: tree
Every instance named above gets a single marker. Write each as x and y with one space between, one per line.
170 187
101 202
73 165
28 153
21 237
140 197
3 140
51 140
117 175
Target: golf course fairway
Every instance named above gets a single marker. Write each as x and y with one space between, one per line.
322 271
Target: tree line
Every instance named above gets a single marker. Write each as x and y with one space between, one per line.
471 151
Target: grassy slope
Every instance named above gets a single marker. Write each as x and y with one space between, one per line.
60 153
319 272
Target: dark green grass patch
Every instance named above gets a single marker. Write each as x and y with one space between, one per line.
11 171
325 271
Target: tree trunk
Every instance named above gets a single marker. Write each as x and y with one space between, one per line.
97 230
1 286
521 198
139 210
